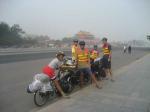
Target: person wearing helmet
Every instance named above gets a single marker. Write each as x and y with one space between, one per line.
75 41
74 48
94 54
104 39
51 68
95 47
106 48
83 63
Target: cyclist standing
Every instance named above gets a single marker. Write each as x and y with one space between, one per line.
106 48
94 53
83 63
74 49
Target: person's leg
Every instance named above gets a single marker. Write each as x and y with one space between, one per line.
88 70
92 70
60 89
106 67
107 73
124 50
110 71
81 77
111 74
130 51
96 82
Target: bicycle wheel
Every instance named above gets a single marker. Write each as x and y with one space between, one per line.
66 84
40 98
70 86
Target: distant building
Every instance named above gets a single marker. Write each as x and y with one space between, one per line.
89 38
84 35
138 43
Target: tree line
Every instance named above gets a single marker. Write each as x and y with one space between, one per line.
14 36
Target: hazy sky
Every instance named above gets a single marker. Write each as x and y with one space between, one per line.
115 19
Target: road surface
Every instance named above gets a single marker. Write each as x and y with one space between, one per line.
129 93
15 76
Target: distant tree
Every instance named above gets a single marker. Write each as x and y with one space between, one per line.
29 41
67 40
4 34
58 43
16 34
10 36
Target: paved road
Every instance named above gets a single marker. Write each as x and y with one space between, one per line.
15 55
25 56
15 76
129 93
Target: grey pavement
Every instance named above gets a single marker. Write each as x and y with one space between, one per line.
129 93
17 72
29 51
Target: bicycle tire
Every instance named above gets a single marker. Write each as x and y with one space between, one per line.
44 96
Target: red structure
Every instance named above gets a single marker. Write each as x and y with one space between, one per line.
87 37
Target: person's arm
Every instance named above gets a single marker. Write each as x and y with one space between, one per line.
101 48
110 49
73 53
98 54
58 87
89 61
76 59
